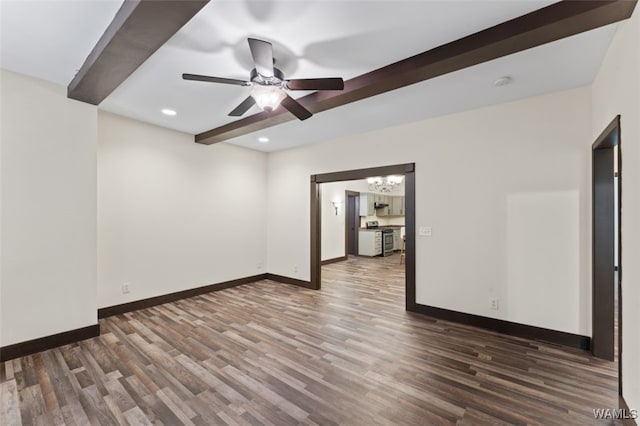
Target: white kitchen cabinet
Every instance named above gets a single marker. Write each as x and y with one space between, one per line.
369 243
366 204
395 204
397 207
392 206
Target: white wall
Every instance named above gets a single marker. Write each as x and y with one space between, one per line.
543 244
616 90
172 214
48 210
332 225
532 150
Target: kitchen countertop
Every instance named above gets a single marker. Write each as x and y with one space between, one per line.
380 228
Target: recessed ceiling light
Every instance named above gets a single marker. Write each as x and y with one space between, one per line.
503 81
167 111
263 139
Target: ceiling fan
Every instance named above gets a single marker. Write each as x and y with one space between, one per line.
269 85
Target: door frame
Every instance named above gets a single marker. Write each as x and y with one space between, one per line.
356 195
608 139
408 170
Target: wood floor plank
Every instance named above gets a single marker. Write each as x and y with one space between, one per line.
9 396
269 353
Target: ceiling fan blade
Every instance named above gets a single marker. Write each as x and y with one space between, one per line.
315 84
209 79
262 53
295 108
243 107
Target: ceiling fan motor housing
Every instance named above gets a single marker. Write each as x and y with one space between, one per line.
276 80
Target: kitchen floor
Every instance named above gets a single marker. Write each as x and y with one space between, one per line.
360 268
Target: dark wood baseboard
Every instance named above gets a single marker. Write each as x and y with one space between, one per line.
334 260
636 412
507 327
40 344
179 295
43 343
172 297
289 280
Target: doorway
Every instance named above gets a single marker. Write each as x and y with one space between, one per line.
606 265
352 222
408 171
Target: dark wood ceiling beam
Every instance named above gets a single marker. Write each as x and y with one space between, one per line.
139 28
551 23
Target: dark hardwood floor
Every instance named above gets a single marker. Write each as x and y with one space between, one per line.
272 353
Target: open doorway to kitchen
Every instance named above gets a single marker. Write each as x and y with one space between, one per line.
606 341
358 223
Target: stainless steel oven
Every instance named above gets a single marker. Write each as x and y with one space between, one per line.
387 237
387 242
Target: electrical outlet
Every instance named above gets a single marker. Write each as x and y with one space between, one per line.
494 304
259 265
125 288
295 269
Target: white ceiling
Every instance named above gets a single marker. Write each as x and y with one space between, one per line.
565 64
51 39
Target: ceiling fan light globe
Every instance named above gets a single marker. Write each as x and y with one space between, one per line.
267 97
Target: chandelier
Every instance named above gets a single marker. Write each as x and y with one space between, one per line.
384 184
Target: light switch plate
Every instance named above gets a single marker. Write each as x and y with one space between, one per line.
424 231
